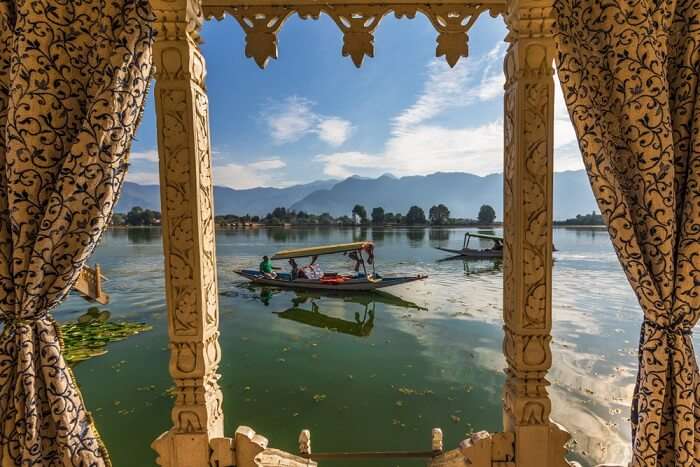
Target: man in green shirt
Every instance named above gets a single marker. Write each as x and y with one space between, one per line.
266 268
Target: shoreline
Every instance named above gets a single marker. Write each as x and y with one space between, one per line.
361 227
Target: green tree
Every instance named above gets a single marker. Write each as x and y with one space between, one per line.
280 213
415 216
378 215
118 219
439 215
325 219
139 216
361 212
134 216
486 214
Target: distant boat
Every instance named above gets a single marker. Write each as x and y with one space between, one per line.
495 252
330 281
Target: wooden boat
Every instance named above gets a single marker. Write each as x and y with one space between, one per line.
495 252
339 282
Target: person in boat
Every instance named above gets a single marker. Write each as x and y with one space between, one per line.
266 268
353 255
312 270
295 273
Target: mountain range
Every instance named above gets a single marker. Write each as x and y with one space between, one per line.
462 193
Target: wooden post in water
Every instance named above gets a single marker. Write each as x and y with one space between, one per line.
188 235
527 281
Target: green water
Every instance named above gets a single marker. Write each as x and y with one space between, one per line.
384 370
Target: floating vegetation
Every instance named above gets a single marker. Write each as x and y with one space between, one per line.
406 391
89 335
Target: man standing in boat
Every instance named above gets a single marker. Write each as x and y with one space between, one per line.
266 268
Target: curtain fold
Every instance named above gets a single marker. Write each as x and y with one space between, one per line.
629 73
73 80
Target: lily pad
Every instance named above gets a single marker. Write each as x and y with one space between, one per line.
89 335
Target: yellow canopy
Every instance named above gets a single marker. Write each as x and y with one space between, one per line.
321 250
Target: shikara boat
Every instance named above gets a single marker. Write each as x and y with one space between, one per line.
495 252
330 281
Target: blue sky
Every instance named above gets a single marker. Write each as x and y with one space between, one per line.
312 115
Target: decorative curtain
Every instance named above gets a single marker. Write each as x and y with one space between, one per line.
73 79
630 71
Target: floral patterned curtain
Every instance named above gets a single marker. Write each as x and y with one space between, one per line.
73 79
630 72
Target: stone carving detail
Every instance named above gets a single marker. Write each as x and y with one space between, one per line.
358 25
452 23
529 113
188 234
482 449
261 24
437 440
305 442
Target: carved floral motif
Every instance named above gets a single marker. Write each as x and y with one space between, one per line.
357 23
188 241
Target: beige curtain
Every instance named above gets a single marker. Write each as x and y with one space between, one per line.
630 73
73 79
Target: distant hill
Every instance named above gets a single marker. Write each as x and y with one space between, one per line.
254 201
463 194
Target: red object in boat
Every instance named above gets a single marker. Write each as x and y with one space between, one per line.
335 279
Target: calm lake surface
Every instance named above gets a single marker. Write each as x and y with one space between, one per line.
367 372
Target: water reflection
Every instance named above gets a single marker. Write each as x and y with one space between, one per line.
438 235
143 235
360 327
476 266
415 237
316 302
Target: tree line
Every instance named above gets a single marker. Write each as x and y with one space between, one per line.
137 216
586 219
415 216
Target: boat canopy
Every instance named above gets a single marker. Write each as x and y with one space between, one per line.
321 250
495 238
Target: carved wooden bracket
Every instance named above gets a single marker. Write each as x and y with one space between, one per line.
357 21
261 27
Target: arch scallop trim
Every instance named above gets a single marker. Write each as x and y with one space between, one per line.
357 21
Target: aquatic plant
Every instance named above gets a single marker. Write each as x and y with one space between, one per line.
89 335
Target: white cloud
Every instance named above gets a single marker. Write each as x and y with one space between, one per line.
566 151
143 177
268 164
424 150
473 80
256 174
419 144
295 118
334 131
150 155
292 120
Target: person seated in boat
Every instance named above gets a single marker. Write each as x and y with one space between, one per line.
266 268
312 270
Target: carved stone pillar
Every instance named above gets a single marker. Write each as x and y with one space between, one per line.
527 285
188 235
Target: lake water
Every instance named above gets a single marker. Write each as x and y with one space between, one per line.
367 372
